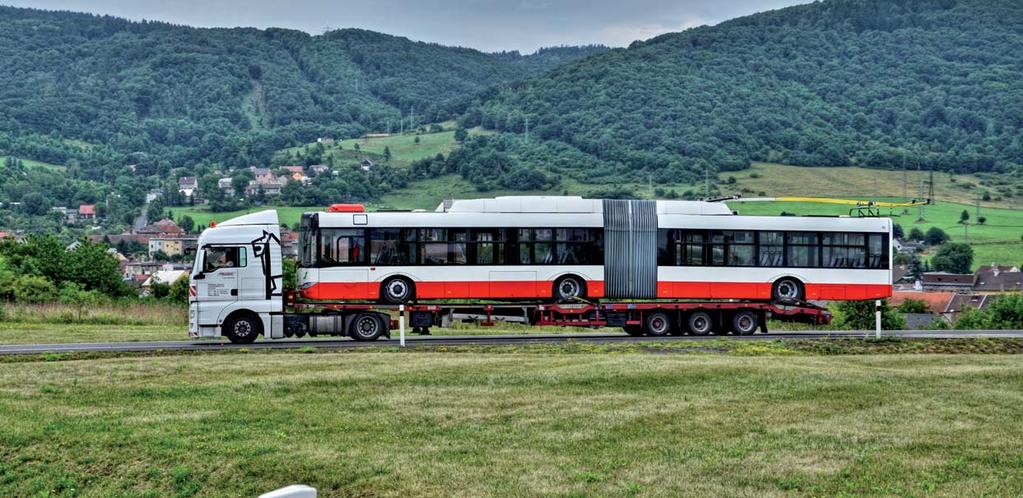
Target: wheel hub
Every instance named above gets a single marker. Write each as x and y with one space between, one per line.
242 328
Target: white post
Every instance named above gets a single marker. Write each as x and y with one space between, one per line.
401 324
877 319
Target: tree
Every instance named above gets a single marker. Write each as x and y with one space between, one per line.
860 315
916 234
186 223
34 289
461 134
897 231
964 217
981 220
936 236
953 258
387 153
912 306
417 140
35 204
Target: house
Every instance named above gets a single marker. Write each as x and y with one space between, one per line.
995 269
87 212
70 216
289 242
294 169
905 246
168 246
943 281
262 174
172 246
325 141
133 168
153 194
166 277
936 302
226 185
998 281
271 187
366 165
318 169
165 228
188 185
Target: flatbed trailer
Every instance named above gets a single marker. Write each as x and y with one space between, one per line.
651 318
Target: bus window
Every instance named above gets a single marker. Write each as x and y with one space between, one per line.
802 249
878 250
772 249
740 248
342 247
384 247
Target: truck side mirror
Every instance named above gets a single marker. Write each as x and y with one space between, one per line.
199 276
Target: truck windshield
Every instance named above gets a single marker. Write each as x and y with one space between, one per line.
307 241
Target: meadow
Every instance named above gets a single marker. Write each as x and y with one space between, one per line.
433 424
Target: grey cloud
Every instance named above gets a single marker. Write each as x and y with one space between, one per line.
489 25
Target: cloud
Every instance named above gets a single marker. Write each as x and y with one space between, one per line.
622 34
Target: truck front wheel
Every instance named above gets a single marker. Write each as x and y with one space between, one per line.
243 328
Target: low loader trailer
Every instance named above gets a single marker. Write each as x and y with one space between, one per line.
236 290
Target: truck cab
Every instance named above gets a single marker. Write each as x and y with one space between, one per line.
236 286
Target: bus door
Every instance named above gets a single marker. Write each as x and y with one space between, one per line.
218 282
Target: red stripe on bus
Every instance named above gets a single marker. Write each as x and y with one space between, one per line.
594 289
754 290
446 290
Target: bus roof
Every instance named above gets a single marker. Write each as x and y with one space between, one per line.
569 204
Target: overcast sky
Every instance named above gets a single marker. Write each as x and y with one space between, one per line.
489 25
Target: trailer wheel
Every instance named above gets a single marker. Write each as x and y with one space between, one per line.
658 324
397 290
243 328
366 327
699 323
787 290
569 289
745 322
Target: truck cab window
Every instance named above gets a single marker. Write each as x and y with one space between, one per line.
215 258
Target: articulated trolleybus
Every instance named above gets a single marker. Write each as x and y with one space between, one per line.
650 267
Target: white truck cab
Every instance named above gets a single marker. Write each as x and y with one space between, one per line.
236 285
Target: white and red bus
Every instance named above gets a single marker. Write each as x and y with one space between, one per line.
570 248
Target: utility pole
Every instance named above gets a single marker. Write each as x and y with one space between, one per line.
401 119
920 194
412 119
706 182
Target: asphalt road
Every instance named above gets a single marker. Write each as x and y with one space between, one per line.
433 341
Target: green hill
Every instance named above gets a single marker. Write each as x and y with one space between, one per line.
837 82
163 95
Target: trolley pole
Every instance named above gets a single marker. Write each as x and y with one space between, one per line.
401 324
877 319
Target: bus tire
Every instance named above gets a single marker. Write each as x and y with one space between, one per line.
658 324
699 323
366 327
397 290
569 289
787 290
745 322
242 328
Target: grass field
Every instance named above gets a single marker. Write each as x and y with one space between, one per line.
393 424
404 149
289 215
869 183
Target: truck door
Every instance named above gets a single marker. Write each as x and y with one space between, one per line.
218 283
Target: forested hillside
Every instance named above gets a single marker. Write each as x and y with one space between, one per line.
164 96
935 83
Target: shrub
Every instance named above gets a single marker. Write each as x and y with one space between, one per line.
34 289
859 315
912 306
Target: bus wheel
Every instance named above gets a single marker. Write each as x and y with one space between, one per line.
787 290
699 323
366 327
745 323
397 290
243 328
569 289
658 324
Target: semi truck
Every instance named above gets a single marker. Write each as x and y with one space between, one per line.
237 288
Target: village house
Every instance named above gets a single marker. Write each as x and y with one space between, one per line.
366 165
289 242
188 185
165 228
943 281
226 185
87 212
998 278
318 169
